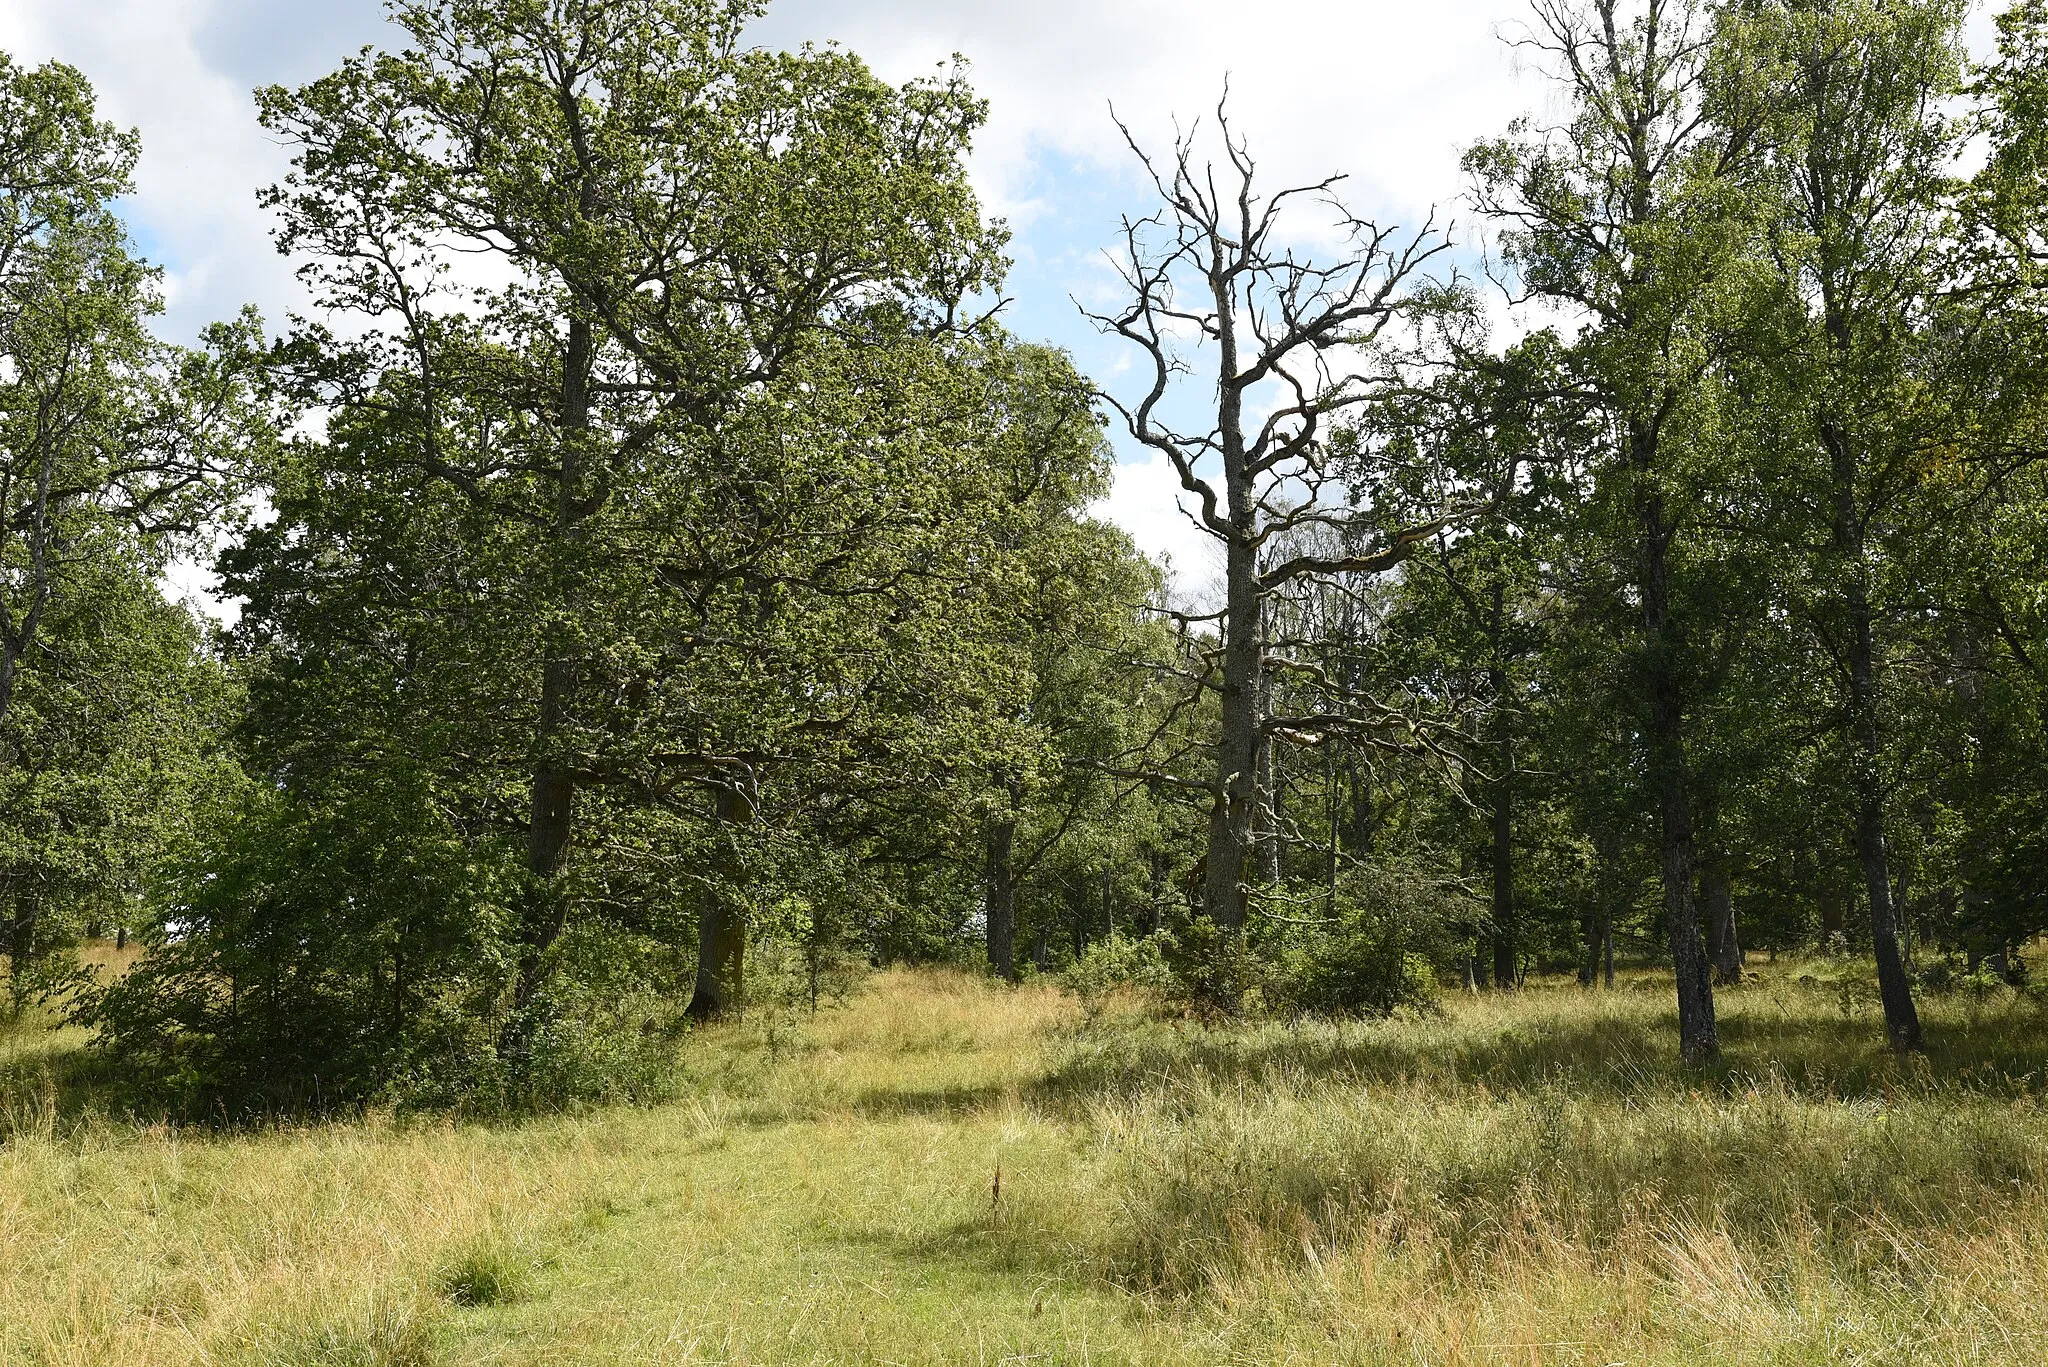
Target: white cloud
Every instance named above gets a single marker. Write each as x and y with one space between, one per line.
1387 91
203 154
1148 502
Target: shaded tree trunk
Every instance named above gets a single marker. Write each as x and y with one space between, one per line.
1270 795
1334 803
1506 950
722 928
1002 898
1718 892
1894 988
553 805
1831 900
1234 814
1156 914
1698 1039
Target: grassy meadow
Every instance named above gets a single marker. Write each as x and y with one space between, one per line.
944 1171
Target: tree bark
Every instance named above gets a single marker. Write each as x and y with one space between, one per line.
1894 988
1830 901
1270 796
553 805
1233 819
1333 803
1506 949
1155 916
1718 892
1698 1039
722 928
1002 898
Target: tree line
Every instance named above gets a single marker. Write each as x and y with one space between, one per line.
666 585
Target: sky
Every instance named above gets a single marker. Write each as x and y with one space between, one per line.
1385 91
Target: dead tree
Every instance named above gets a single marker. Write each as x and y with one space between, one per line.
1294 345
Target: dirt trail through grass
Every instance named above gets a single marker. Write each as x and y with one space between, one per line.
1524 1182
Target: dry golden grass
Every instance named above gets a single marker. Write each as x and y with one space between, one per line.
1523 1181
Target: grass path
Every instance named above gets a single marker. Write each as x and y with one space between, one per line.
1522 1182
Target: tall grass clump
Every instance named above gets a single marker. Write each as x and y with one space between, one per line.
1556 1119
378 1334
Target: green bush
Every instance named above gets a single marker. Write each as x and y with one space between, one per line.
321 955
1395 925
311 955
1118 961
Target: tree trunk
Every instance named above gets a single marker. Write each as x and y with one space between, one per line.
1233 820
1831 899
1901 1018
1718 892
1894 988
1506 950
1333 795
1698 1040
722 928
1002 898
1236 796
1156 913
1270 797
553 806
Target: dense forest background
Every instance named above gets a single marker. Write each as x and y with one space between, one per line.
668 589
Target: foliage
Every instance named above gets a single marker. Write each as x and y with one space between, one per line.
1397 932
1117 962
116 451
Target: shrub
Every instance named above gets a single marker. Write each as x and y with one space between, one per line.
1395 924
1117 961
311 954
